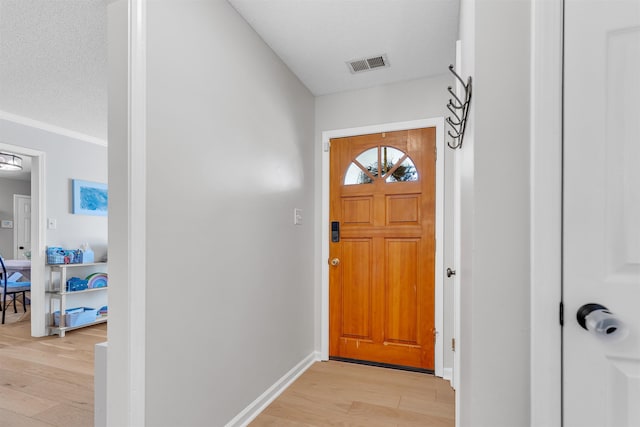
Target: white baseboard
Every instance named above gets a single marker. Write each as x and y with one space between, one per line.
447 374
257 406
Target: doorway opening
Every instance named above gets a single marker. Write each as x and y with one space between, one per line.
37 237
438 124
382 248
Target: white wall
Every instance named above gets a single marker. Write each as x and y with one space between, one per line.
9 187
66 159
229 155
495 329
405 101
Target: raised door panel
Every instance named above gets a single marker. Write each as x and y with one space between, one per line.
403 209
357 210
401 302
357 292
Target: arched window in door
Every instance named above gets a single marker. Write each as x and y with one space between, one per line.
381 163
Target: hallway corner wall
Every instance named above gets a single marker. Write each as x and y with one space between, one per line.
494 273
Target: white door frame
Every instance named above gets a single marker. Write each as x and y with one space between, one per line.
546 211
457 224
439 259
38 236
126 354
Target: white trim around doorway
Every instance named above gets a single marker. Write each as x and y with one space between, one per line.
137 199
438 123
546 208
126 353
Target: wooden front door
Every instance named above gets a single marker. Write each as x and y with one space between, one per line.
382 248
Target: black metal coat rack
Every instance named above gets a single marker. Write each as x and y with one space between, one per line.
460 110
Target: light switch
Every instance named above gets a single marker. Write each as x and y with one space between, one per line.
297 216
51 223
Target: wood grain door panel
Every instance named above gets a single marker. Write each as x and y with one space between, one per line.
401 299
357 292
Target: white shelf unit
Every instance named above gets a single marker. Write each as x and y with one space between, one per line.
57 292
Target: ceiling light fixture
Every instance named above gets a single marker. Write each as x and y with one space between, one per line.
10 162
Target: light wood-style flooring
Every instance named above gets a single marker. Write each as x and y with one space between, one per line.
345 394
47 381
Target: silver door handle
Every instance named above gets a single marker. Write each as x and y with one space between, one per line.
450 272
598 320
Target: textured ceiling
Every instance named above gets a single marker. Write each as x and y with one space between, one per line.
53 63
316 37
53 53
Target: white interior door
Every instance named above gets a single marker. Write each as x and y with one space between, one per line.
22 225
602 210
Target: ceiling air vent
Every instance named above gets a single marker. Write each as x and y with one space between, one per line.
368 64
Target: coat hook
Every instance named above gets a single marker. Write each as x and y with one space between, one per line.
453 112
460 103
452 123
453 71
457 135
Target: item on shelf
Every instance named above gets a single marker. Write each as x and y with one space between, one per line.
103 311
97 280
77 284
76 316
87 253
57 255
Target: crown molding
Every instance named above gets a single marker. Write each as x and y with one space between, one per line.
48 127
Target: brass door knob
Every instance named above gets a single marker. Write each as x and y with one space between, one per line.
335 262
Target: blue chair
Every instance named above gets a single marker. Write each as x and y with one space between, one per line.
13 289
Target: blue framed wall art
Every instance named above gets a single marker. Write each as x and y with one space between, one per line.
89 198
